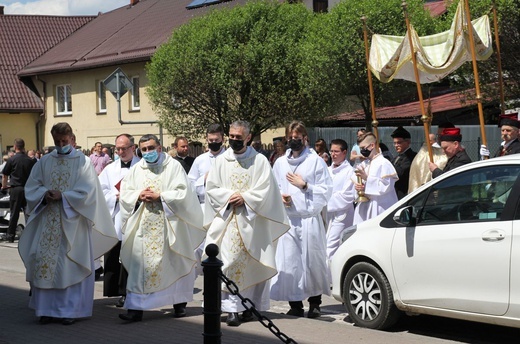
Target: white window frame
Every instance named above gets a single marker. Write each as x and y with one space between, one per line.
67 93
135 101
102 94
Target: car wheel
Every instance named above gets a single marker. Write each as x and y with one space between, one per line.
368 297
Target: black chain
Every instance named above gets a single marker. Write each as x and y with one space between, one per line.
250 306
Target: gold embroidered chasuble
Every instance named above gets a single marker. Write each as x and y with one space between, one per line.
246 235
55 245
159 238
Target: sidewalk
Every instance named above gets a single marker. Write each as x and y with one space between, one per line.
18 324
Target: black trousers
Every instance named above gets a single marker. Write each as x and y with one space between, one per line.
114 276
17 202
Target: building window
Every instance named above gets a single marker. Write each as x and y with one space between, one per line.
64 100
102 97
136 101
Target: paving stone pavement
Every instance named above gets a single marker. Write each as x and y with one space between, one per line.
18 324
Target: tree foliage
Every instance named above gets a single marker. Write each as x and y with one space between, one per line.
239 63
508 16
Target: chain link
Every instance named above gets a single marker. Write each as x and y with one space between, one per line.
250 306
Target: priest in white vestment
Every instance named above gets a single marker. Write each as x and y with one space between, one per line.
340 208
69 226
245 217
301 257
162 225
419 170
378 177
114 278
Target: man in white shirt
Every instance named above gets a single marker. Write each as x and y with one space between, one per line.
114 279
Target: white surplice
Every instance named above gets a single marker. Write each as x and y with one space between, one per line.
301 256
379 188
340 208
246 235
198 170
110 179
62 238
159 237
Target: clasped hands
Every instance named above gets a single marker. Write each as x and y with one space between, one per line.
148 195
52 195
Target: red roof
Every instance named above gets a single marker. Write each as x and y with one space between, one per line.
124 35
446 102
436 8
24 38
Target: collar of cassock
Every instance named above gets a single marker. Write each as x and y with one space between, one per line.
126 164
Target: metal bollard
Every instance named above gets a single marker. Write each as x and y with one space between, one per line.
212 296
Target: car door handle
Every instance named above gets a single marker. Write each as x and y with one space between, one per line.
493 235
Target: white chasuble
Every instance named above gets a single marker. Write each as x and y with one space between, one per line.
63 238
246 235
159 238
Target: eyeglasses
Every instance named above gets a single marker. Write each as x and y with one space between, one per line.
122 149
149 148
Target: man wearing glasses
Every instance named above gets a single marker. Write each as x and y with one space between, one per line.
114 279
162 226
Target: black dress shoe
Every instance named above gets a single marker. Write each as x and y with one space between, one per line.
132 315
179 311
68 321
232 319
46 320
296 312
247 316
98 273
121 302
314 312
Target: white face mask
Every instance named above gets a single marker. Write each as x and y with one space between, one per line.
64 150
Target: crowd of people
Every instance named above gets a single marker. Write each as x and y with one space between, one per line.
278 218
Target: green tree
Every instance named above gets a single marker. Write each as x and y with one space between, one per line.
239 63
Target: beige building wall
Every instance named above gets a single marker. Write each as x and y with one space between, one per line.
18 125
89 123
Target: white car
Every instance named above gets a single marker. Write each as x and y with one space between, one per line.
451 248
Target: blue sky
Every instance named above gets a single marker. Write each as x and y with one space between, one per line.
61 7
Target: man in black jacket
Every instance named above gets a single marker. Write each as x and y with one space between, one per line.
17 168
403 161
181 147
450 139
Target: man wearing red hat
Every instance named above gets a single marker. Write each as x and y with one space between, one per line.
450 139
509 125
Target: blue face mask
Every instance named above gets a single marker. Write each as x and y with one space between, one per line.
151 156
64 150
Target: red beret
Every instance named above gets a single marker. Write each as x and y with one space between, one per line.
450 134
510 119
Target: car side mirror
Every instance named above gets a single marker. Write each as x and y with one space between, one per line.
404 216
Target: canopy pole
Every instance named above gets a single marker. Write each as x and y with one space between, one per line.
475 74
374 123
425 118
499 60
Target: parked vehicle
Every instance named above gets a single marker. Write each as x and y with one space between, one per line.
451 248
5 215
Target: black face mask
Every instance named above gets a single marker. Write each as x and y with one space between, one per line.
295 145
365 152
236 145
214 146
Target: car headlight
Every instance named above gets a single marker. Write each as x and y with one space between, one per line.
347 233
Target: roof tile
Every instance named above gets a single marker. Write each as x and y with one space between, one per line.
24 38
